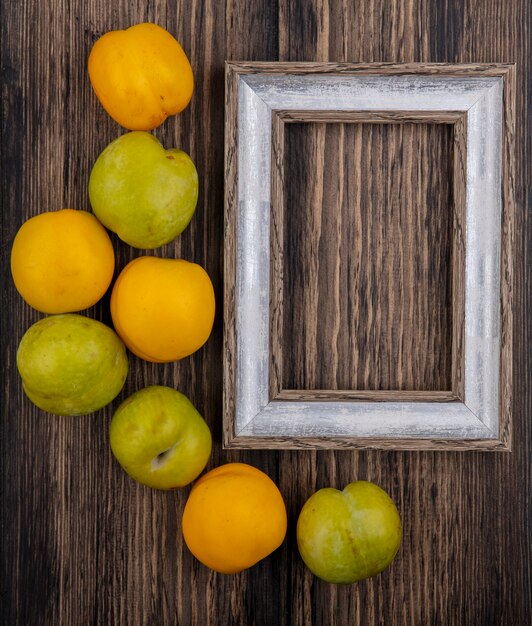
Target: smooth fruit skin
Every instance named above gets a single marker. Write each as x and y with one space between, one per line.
71 365
163 309
145 194
234 517
345 536
159 438
62 261
140 75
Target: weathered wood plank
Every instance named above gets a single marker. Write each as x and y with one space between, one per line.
367 257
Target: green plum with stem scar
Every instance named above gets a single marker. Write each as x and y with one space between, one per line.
71 364
145 194
345 536
159 438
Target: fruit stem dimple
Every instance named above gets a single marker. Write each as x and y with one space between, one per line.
160 460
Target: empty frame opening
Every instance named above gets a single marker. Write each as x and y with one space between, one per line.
367 257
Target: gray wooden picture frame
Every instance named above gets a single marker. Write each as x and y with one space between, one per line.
479 101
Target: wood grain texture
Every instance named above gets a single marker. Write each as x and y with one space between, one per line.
249 442
373 117
507 257
81 543
383 69
372 395
457 261
229 260
367 257
279 176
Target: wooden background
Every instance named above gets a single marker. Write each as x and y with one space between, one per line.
368 257
83 544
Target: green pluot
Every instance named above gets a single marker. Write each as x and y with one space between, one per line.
345 536
71 365
159 438
145 194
